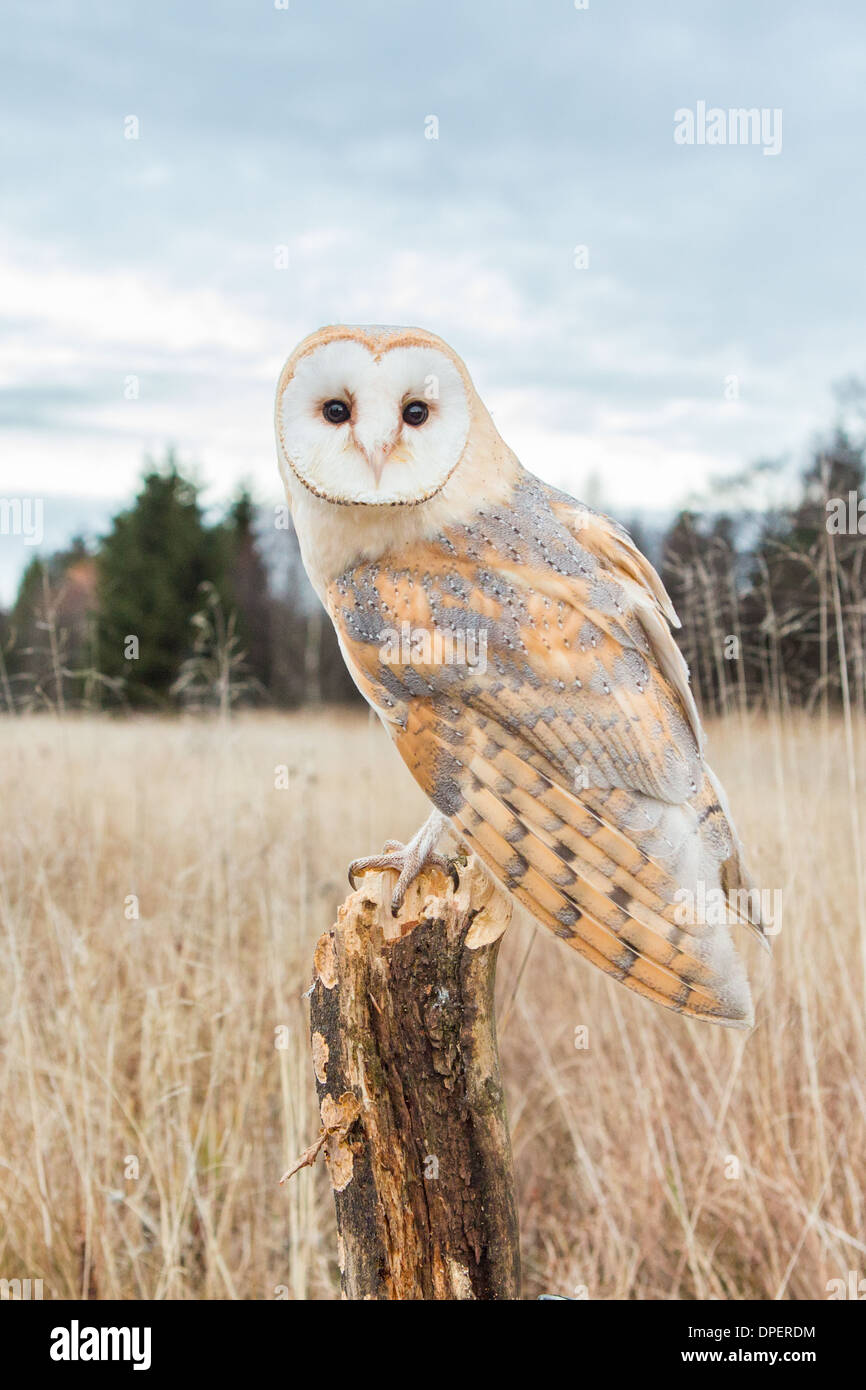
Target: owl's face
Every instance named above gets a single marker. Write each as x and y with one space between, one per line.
373 416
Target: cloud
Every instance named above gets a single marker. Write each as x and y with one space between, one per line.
305 129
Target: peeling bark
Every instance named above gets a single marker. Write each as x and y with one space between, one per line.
402 1022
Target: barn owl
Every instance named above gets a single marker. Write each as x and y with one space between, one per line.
570 759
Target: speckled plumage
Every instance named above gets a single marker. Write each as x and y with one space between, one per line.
570 760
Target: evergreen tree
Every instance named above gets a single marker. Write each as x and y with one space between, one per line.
249 588
151 568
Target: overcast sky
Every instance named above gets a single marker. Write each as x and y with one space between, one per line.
304 128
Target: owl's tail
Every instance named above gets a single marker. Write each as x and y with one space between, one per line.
585 880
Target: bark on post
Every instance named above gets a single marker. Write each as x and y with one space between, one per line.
413 1115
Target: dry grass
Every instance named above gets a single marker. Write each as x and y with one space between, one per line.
154 1040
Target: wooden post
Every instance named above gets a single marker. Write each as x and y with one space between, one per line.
413 1114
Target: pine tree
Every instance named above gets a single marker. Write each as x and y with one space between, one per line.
249 588
151 568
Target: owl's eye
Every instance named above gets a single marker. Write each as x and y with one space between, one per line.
415 413
336 412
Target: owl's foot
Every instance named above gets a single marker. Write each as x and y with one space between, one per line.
408 860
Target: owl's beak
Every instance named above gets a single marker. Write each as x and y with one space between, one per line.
377 463
377 458
374 435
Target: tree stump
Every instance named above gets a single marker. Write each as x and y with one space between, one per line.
413 1115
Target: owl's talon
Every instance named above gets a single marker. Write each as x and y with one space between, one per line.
375 863
408 860
413 868
407 865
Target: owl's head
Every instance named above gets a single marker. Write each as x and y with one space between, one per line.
373 416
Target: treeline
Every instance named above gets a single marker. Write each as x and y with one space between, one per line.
773 603
172 609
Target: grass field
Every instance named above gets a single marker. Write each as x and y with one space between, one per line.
146 1113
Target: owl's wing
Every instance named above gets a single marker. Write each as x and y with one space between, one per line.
614 547
554 725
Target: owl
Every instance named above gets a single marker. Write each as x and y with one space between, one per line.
517 647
